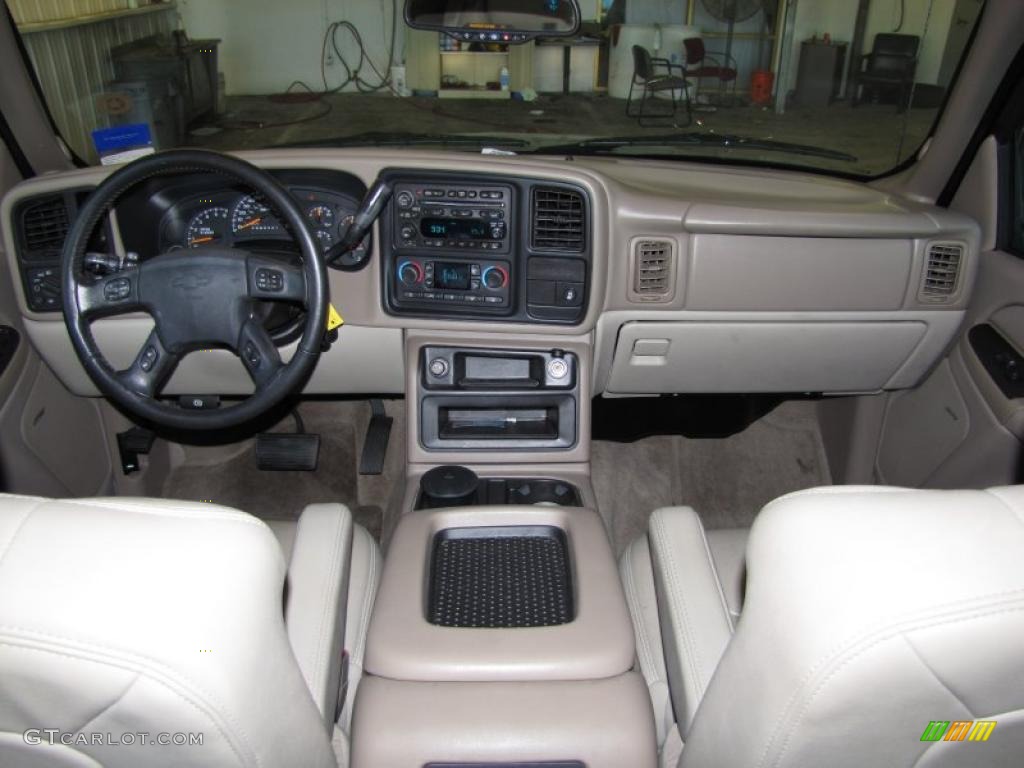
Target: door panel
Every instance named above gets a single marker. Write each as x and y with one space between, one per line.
51 442
960 429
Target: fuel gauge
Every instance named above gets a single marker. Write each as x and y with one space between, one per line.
321 216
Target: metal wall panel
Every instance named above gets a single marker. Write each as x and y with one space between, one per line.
74 66
35 11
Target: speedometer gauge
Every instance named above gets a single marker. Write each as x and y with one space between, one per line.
252 217
208 227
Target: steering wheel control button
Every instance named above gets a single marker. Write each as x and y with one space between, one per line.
199 402
252 355
117 290
149 358
269 280
439 368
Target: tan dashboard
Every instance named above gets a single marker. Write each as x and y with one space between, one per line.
702 279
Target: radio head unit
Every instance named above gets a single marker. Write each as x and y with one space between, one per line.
452 216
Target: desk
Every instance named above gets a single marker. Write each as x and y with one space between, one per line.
568 43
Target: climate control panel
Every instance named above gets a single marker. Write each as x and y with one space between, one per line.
453 282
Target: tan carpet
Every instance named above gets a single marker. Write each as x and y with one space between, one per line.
228 474
726 480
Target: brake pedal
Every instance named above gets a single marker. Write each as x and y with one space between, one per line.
287 453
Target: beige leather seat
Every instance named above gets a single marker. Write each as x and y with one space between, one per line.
124 617
868 614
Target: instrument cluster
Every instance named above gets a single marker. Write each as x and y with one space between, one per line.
229 218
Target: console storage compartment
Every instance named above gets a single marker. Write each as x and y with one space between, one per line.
501 635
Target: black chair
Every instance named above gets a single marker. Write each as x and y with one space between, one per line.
654 76
889 68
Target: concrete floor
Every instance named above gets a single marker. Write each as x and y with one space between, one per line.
875 134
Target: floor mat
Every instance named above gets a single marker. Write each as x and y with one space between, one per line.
229 475
727 480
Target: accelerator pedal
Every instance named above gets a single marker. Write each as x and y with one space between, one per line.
375 447
281 452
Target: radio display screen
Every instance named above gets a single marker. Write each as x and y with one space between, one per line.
456 229
451 277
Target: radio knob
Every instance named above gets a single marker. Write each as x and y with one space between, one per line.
495 278
408 232
405 200
410 273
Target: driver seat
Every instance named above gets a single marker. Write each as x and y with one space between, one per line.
125 623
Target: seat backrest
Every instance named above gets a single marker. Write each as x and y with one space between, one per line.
876 621
894 53
694 47
643 67
121 617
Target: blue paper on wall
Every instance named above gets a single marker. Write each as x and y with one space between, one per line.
123 143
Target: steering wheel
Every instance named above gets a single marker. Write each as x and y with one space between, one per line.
200 298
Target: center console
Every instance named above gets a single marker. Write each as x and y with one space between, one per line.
457 245
500 636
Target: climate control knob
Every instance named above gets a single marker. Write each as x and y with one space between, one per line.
410 273
495 278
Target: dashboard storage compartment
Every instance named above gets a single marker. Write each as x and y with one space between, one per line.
508 577
699 357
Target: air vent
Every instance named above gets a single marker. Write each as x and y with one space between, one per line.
653 270
44 227
559 218
942 273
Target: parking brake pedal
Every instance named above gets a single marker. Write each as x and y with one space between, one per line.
376 446
277 452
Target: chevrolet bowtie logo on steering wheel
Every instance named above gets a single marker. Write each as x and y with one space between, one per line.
191 281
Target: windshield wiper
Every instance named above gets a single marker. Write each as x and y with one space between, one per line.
403 139
609 145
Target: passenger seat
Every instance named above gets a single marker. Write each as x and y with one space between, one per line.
872 619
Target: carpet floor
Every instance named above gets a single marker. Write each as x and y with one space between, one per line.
726 481
229 475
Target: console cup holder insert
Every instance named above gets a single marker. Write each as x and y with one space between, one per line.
500 577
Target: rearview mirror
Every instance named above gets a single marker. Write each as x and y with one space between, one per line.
495 21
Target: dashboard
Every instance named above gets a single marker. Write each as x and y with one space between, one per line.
660 277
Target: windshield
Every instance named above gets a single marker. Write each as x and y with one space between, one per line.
831 85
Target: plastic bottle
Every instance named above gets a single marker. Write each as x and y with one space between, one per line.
504 78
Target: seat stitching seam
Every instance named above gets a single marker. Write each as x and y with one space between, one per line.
888 633
935 674
17 530
117 700
693 660
718 581
645 654
836 651
368 602
24 645
1006 505
326 589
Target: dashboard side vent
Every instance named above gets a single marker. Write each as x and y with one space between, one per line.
558 220
44 227
653 270
942 271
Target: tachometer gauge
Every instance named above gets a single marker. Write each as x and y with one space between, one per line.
252 217
321 216
208 227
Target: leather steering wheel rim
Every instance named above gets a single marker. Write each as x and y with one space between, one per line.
183 287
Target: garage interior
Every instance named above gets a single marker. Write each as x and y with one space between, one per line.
229 75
